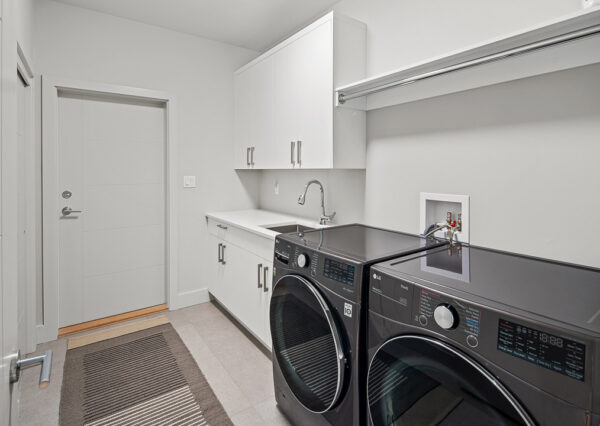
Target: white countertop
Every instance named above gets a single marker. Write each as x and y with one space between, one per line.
257 221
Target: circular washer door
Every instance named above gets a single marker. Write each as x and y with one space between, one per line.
307 343
416 380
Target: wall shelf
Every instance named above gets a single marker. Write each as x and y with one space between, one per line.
568 42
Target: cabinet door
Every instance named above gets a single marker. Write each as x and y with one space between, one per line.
314 97
215 270
265 307
244 126
254 116
284 99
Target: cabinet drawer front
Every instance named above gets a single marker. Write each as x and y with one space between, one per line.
261 246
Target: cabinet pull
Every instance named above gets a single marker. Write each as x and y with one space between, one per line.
265 270
259 271
221 226
292 149
252 156
299 154
248 156
223 254
219 253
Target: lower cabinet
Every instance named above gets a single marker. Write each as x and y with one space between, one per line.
241 281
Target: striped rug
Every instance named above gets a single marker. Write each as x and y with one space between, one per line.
143 378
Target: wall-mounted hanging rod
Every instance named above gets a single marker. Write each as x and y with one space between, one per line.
344 96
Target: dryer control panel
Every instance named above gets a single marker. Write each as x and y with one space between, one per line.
335 273
555 360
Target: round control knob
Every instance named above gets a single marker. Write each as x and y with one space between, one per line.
303 260
445 316
423 320
472 341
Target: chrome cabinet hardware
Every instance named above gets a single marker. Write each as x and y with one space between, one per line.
17 364
292 149
259 271
299 153
266 274
219 253
66 211
221 226
248 156
223 246
252 156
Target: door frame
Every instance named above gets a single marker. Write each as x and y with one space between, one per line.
33 202
51 87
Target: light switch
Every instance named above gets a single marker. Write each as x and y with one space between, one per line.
189 181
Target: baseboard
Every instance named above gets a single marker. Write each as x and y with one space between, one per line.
90 325
189 298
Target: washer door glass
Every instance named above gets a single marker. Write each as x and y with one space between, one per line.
307 343
415 380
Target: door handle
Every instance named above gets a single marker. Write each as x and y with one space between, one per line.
66 211
299 154
18 363
292 149
265 270
252 156
259 271
223 254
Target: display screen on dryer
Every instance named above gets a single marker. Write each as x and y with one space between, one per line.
555 353
339 271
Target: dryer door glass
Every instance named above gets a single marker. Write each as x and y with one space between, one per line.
307 343
422 381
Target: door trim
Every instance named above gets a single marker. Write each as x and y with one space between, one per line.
51 86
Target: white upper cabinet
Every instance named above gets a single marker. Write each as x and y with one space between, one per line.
285 114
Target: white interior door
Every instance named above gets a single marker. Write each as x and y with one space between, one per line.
112 162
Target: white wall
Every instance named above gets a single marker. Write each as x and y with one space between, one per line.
344 193
76 43
528 147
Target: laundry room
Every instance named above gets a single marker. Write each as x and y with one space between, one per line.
351 212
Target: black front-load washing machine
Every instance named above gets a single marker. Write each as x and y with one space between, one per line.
463 335
318 321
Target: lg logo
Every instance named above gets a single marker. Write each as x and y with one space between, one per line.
376 277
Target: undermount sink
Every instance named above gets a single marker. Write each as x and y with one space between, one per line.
286 229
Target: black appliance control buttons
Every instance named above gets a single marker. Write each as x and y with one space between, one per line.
445 316
423 320
303 260
472 341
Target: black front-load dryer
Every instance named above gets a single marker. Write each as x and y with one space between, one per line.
463 335
317 320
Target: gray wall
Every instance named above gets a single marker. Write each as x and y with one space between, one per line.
525 151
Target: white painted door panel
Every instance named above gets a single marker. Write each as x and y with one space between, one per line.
314 97
112 255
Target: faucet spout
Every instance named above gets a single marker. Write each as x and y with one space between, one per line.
302 199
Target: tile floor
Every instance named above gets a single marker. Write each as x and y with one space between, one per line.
238 372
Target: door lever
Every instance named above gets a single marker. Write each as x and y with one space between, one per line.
18 363
66 211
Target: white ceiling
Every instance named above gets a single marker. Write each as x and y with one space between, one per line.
254 24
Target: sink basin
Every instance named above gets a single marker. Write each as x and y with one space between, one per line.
286 229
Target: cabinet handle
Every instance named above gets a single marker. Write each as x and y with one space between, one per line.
221 226
259 271
252 156
223 254
219 253
265 270
299 155
292 149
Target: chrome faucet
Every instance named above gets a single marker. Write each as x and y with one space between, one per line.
302 199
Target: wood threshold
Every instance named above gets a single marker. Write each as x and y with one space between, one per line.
90 325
